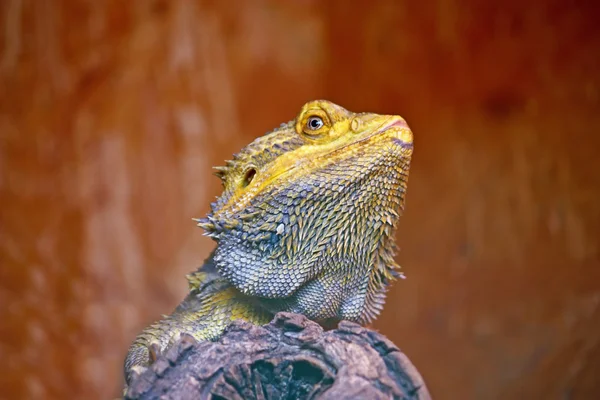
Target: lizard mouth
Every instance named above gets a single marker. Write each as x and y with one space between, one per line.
398 130
391 123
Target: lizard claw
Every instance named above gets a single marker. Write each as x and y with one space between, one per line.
137 370
187 340
154 352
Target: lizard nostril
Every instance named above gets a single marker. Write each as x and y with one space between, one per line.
355 125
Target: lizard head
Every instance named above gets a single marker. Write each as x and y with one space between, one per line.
308 212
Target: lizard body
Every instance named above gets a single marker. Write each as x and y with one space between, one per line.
305 224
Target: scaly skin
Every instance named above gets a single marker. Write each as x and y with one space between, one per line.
305 224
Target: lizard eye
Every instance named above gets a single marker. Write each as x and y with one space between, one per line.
315 123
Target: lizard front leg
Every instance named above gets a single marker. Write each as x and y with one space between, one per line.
207 310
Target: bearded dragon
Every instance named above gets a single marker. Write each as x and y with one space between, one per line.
305 224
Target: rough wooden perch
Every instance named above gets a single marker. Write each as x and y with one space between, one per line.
290 358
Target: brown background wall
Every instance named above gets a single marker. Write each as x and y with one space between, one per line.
112 113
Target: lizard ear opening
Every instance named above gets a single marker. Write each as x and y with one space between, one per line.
248 176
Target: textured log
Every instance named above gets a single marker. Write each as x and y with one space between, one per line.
291 358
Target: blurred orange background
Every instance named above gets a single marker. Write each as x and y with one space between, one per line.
113 112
